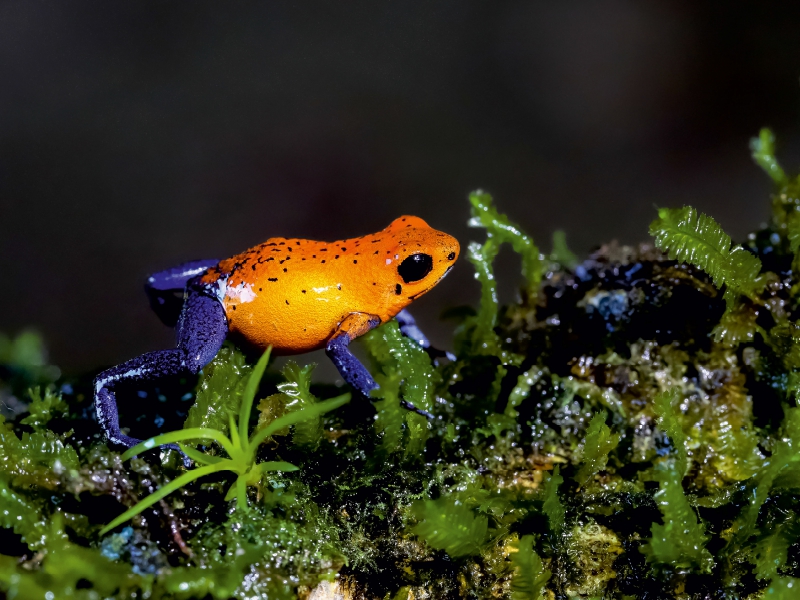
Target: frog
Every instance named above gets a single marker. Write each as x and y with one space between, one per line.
293 296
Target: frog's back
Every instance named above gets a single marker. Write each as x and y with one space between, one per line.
292 294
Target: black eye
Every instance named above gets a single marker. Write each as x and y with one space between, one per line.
415 267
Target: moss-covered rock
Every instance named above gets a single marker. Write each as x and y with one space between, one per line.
628 429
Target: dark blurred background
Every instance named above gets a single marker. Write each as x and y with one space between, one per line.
137 135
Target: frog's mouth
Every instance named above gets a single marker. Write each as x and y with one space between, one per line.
418 294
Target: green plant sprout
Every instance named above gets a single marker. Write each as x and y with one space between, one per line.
479 336
763 152
240 448
500 229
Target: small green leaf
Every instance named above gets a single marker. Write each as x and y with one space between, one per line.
530 576
277 465
183 435
447 524
199 457
250 393
553 507
598 443
668 421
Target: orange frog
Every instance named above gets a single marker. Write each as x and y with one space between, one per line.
292 294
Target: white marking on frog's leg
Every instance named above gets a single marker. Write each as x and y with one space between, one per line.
142 368
176 278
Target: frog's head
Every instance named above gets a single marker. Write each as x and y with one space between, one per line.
419 256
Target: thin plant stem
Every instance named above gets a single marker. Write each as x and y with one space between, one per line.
173 485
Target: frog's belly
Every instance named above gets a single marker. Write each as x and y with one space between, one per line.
290 326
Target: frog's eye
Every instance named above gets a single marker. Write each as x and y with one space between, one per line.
415 267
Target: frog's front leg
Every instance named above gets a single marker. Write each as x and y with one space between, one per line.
350 368
202 328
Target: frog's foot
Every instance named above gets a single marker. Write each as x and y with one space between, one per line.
133 370
408 406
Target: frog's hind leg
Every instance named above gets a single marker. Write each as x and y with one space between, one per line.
409 328
165 288
202 328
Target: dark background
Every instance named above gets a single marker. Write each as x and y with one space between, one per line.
137 135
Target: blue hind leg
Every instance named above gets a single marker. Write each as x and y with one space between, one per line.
165 288
409 328
202 328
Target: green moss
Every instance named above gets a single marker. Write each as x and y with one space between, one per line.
669 422
628 428
771 552
477 334
552 505
561 253
593 550
690 236
499 230
219 392
599 442
780 471
681 541
38 459
284 552
23 516
70 571
784 588
530 575
43 408
448 524
405 373
295 394
508 419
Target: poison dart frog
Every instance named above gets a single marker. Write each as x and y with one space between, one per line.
292 294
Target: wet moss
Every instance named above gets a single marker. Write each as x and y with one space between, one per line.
627 429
